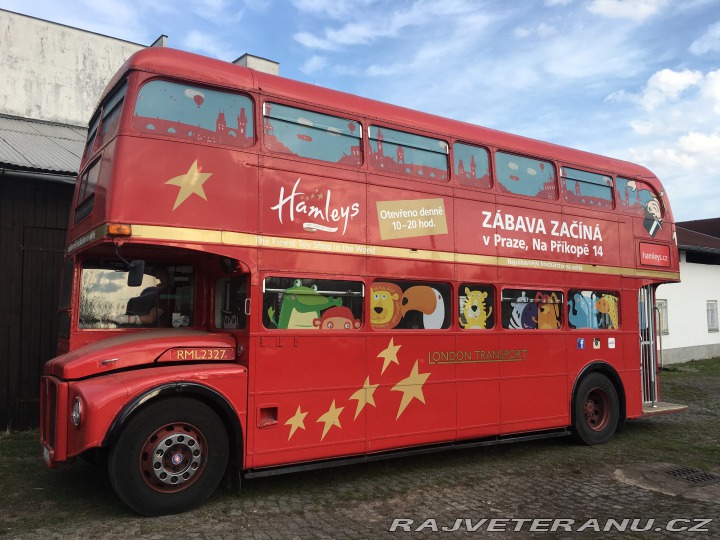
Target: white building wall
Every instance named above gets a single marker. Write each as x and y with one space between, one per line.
688 337
53 72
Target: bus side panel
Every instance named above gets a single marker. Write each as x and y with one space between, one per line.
533 382
478 383
415 400
303 404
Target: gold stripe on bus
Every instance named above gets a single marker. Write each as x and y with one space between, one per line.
325 246
180 234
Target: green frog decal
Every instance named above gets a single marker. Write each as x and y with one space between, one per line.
301 306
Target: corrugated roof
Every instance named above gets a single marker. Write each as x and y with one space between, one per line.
33 145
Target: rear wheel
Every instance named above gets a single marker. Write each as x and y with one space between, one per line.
169 457
596 410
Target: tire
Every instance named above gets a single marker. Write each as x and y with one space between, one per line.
169 458
596 410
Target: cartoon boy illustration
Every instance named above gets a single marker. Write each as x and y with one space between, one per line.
653 217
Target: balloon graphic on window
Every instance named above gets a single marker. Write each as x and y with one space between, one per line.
198 99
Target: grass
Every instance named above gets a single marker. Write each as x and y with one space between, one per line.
78 499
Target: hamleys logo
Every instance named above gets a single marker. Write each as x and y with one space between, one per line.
316 210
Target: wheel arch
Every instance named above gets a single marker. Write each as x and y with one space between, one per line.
210 397
606 369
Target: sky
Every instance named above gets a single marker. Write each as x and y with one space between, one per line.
637 80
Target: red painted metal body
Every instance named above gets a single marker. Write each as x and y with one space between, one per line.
301 395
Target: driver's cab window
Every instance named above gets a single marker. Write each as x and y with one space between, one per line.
164 299
231 299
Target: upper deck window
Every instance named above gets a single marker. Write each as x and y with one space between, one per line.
191 113
583 187
472 165
638 198
86 191
408 154
111 115
92 133
300 132
525 176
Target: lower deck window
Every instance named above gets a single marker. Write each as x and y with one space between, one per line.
593 309
312 304
409 305
532 309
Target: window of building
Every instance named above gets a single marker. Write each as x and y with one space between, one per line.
192 113
524 309
300 132
712 315
476 305
472 165
586 188
312 304
593 309
525 176
662 306
231 302
407 154
409 305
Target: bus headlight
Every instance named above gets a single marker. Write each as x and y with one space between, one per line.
76 414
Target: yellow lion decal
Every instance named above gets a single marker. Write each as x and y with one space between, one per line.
385 305
475 311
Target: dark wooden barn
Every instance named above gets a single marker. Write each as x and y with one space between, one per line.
38 165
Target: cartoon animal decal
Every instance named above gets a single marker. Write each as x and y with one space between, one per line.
548 311
581 310
529 316
475 311
385 309
301 306
427 301
337 318
517 310
608 305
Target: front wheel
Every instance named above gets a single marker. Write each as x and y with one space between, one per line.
596 410
169 458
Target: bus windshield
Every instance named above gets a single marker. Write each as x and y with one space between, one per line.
164 299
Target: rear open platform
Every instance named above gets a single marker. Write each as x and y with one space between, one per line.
662 407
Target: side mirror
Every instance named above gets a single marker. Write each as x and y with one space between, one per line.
136 271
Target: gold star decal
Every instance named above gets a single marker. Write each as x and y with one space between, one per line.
297 421
411 387
331 418
189 183
364 396
390 355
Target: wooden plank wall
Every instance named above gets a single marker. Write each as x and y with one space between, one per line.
33 226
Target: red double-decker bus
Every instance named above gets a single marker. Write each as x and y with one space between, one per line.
264 276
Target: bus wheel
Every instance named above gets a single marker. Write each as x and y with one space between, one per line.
169 457
596 410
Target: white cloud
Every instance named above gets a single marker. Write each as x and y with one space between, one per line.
667 85
708 42
637 10
315 63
